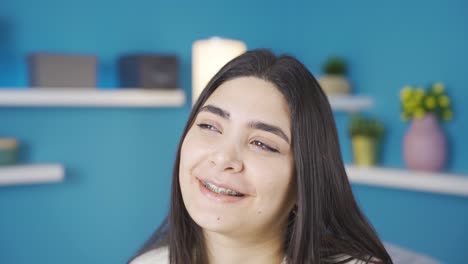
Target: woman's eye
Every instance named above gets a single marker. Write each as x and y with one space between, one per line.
264 146
207 127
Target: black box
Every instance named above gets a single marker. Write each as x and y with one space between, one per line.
62 70
150 71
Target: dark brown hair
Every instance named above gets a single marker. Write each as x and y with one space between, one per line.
328 221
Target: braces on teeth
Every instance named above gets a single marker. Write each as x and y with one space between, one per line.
220 190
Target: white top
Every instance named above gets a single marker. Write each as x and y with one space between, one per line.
161 256
155 256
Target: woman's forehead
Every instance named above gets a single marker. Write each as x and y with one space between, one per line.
251 97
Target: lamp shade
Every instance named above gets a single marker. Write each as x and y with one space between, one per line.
208 57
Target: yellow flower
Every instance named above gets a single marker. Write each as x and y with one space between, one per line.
419 91
444 101
430 102
438 88
404 116
406 93
447 115
416 102
419 113
419 95
410 105
418 99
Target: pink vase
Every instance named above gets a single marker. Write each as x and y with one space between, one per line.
425 145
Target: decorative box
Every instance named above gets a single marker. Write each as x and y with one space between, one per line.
62 70
150 71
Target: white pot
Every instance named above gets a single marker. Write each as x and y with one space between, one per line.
335 84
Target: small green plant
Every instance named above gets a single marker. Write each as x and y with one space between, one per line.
417 102
335 66
366 126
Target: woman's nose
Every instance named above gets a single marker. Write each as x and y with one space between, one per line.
227 158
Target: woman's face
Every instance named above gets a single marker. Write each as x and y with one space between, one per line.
236 161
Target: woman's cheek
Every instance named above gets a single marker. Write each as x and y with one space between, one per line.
196 149
274 177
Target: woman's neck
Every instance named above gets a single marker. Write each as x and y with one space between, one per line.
224 249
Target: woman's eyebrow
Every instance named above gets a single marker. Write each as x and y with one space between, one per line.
269 128
254 124
216 110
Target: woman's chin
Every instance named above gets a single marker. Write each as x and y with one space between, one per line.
216 222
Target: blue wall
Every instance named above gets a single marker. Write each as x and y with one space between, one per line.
119 161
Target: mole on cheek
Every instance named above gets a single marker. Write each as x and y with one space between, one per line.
259 212
218 218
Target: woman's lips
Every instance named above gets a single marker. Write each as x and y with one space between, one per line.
222 198
219 185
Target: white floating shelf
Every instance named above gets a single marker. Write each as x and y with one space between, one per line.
349 103
410 180
91 97
31 174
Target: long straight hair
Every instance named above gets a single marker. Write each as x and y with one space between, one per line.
328 222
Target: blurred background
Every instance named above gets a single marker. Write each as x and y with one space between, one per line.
118 161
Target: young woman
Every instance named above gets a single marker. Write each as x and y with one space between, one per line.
259 178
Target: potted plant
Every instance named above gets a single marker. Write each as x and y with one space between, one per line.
366 134
8 151
425 144
334 80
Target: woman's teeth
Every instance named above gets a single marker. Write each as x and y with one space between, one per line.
220 190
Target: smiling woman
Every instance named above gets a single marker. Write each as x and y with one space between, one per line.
258 178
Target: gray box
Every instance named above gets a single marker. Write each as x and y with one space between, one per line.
150 71
62 70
